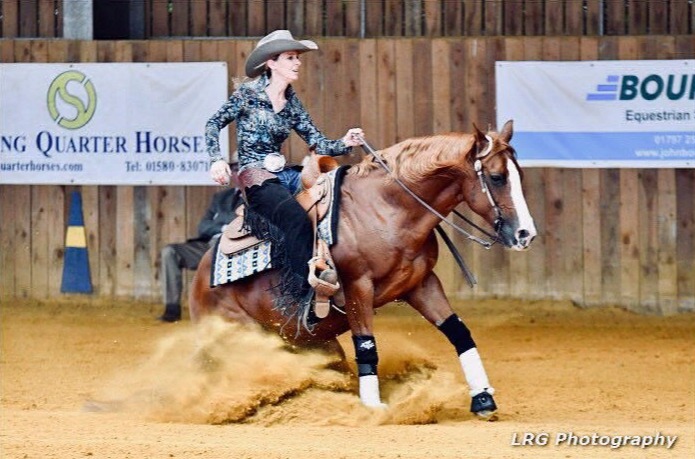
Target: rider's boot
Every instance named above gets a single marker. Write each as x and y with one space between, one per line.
329 275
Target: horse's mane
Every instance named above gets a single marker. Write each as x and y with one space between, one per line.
417 157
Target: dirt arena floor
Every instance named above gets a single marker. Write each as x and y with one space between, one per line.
108 381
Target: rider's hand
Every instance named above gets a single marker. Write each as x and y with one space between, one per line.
353 137
220 172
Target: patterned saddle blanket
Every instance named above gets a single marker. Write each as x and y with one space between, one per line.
238 254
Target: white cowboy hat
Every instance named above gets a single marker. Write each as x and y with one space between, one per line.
277 42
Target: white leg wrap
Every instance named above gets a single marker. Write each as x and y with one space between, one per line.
369 391
474 372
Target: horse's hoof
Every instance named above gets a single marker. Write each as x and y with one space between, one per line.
377 406
489 416
483 406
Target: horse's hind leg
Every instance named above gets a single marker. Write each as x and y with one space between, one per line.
430 301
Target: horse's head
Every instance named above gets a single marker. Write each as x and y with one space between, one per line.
480 169
496 194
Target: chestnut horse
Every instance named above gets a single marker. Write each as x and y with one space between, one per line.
387 249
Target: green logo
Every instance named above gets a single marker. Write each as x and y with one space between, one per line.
84 104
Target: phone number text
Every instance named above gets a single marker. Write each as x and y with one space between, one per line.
167 166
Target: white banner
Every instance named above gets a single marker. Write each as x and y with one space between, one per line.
108 124
600 113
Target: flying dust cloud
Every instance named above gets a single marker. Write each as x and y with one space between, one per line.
219 373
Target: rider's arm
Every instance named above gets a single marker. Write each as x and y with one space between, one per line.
225 115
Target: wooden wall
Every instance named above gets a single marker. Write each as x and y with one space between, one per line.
31 18
413 18
607 236
375 18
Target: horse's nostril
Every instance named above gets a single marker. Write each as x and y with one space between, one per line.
523 234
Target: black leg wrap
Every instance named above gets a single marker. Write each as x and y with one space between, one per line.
458 334
366 355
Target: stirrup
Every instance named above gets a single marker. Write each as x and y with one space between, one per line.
326 284
322 305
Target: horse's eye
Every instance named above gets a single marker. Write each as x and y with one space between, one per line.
498 179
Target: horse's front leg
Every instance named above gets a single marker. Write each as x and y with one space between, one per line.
428 298
360 313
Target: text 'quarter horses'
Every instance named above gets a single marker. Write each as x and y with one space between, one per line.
387 249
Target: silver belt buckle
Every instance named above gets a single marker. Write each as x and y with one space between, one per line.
274 162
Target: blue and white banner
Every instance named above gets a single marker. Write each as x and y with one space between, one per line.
108 124
600 113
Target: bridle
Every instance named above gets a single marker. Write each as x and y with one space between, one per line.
478 166
485 187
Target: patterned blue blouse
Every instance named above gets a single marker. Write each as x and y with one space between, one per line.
260 130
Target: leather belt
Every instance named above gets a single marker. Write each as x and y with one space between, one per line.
273 162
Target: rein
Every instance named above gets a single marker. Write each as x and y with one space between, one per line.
483 184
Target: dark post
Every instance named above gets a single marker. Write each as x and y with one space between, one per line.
119 19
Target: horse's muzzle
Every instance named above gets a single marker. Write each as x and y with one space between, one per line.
516 238
524 238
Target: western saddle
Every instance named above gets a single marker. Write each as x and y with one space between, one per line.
316 198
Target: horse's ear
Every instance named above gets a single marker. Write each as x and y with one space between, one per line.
479 135
507 131
482 143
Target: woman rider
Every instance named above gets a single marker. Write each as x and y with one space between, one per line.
266 109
